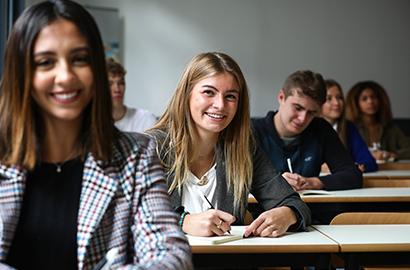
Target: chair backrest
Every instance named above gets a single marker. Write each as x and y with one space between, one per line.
371 218
248 218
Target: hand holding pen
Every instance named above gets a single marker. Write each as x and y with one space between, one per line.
293 179
223 224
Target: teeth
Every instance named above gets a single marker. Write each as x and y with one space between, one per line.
66 96
217 116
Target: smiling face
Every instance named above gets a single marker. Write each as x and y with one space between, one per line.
333 107
213 103
294 115
63 79
368 102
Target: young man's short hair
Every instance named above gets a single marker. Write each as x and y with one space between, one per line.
306 83
115 68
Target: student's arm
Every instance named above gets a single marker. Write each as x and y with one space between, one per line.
207 223
299 182
273 191
402 142
272 223
344 173
158 240
359 150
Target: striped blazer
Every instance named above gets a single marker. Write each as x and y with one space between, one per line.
124 204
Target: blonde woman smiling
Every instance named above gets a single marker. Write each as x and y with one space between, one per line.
205 143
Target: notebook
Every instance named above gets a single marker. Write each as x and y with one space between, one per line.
235 235
378 161
314 192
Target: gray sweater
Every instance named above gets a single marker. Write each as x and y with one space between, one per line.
268 186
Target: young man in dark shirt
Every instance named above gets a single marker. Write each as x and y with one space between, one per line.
293 132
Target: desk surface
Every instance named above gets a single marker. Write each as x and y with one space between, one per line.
403 164
389 174
293 242
401 194
368 238
390 194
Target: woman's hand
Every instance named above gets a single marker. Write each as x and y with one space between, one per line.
272 223
208 223
383 155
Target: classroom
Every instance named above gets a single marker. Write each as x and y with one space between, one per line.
348 41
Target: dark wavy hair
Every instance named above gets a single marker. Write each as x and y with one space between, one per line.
20 121
353 113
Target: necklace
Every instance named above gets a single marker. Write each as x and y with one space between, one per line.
59 165
204 179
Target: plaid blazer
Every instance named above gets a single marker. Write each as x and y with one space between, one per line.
123 204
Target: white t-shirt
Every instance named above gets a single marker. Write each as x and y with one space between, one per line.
136 120
191 198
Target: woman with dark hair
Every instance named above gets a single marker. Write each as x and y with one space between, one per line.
368 107
333 111
72 186
205 143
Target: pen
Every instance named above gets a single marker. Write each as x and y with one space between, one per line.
205 199
290 166
107 261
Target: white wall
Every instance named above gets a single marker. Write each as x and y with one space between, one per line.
347 40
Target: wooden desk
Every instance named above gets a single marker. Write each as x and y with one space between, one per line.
362 195
325 207
370 244
387 178
295 249
403 164
357 195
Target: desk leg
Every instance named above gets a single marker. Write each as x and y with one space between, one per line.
352 261
323 262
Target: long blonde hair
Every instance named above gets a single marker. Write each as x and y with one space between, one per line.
179 125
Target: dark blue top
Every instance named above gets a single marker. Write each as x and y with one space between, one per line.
358 148
319 143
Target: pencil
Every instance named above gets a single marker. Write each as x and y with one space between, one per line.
210 204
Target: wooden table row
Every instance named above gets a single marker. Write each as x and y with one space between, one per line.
358 244
400 194
387 178
397 165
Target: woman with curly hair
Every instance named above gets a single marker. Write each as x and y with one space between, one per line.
368 107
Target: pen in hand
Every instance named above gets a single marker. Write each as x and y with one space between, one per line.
205 199
290 165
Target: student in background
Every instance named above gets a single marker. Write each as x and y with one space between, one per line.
368 107
294 132
205 143
126 119
333 112
72 186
